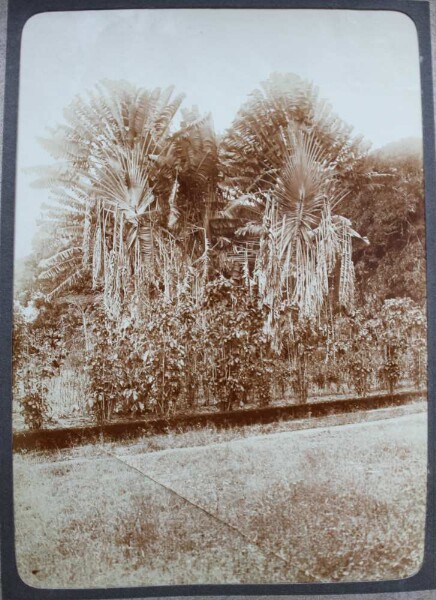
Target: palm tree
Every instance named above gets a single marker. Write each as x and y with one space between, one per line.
252 151
305 243
132 199
287 156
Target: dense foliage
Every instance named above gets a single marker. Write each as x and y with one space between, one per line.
393 265
187 271
40 347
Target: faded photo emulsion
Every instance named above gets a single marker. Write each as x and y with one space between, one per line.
220 361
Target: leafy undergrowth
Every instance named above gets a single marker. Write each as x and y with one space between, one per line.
334 504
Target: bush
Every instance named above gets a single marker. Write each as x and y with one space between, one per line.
139 365
35 410
39 349
177 356
239 358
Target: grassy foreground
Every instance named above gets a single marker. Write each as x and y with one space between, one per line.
334 503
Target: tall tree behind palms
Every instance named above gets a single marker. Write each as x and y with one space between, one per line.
193 159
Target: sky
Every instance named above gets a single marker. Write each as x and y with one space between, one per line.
366 63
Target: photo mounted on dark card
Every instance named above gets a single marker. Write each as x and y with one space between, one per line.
217 311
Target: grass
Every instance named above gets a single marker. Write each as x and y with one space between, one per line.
204 436
343 503
100 524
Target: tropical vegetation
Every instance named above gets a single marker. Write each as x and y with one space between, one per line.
177 269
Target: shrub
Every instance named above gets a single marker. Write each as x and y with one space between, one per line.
240 360
39 349
175 355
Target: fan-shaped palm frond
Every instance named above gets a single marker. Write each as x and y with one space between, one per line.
300 240
112 178
252 151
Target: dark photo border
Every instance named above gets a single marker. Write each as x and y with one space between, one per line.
19 12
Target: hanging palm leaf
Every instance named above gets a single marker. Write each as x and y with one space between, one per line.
300 239
113 181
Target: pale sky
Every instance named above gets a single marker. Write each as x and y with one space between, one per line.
366 63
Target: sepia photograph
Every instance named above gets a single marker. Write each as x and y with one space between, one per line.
219 321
